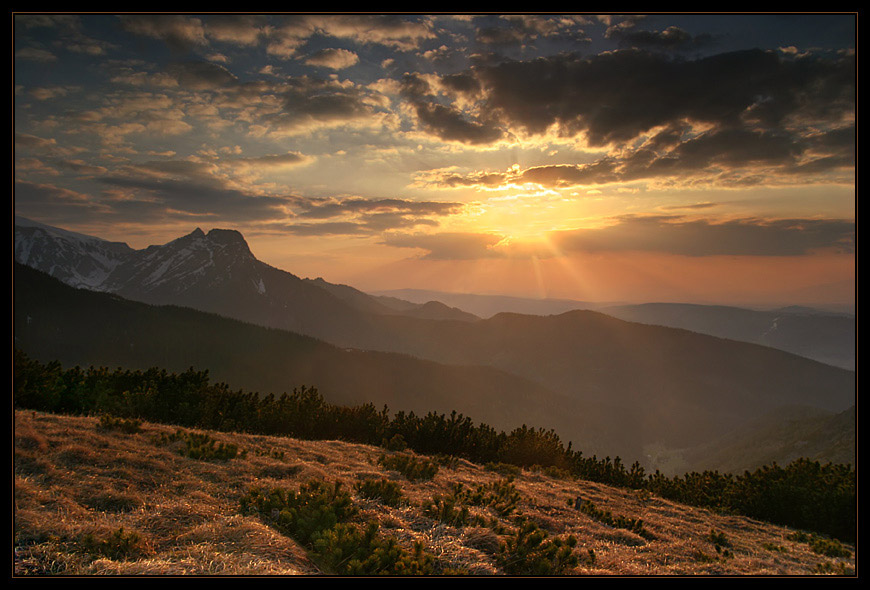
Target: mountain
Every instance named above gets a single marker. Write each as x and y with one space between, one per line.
819 335
486 306
827 337
623 386
75 259
53 321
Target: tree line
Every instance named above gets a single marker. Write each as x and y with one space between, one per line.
804 494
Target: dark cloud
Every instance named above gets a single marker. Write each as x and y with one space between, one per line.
202 75
332 208
616 97
54 203
743 237
443 121
727 155
236 29
447 246
310 102
180 32
194 197
671 39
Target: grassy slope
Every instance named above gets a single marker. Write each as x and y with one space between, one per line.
72 479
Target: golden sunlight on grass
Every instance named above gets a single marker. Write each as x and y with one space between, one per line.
96 501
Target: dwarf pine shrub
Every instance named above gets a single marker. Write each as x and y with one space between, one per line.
351 550
125 425
502 496
316 507
829 547
118 545
201 446
413 468
530 552
448 509
318 515
389 493
634 525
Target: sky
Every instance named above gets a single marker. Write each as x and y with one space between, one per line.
704 158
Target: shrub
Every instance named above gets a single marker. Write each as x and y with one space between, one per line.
348 549
303 514
317 517
634 525
201 446
502 496
413 468
125 425
829 547
118 545
505 469
530 552
449 509
388 492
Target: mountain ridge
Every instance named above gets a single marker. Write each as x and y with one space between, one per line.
663 385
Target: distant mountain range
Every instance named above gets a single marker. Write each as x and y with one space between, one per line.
609 385
825 336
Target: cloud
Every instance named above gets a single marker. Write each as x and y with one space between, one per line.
51 202
309 103
336 59
671 39
181 33
719 156
690 237
445 122
448 245
210 200
615 97
201 75
35 54
398 32
244 30
289 159
360 216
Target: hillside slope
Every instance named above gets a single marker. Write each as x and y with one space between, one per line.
90 500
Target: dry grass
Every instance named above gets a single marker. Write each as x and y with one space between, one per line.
74 482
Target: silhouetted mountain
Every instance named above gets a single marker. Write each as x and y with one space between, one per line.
214 272
486 306
825 336
630 385
80 327
819 335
